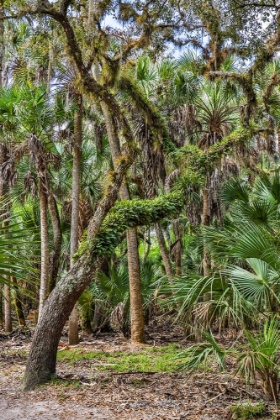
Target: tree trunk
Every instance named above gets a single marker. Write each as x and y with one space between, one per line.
136 303
1 307
44 280
206 263
7 308
42 357
57 241
2 43
178 247
164 252
18 305
73 334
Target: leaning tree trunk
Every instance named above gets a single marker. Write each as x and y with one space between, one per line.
73 335
136 303
42 357
57 309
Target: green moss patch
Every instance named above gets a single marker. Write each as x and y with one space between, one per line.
154 359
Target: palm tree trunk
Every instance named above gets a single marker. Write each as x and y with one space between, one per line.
2 43
73 336
178 247
7 308
57 241
136 304
44 280
1 306
164 252
206 222
18 305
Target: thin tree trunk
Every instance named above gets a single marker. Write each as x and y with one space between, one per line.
18 305
136 303
2 43
164 252
7 308
73 335
1 307
206 222
44 280
178 247
57 241
50 65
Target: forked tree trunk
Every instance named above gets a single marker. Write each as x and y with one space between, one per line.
7 308
73 334
136 303
44 280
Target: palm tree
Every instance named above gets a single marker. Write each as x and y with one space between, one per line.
73 336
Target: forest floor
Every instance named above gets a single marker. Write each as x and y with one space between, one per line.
105 377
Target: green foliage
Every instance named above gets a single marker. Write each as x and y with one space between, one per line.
127 214
260 356
15 241
248 410
199 355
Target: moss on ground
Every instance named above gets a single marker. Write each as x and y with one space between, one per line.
154 359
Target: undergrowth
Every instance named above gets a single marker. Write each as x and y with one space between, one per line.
248 410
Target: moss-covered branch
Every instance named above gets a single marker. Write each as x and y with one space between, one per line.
127 214
202 162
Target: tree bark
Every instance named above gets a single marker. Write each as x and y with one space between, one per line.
57 240
178 247
73 334
136 302
2 43
7 308
42 358
206 222
164 252
18 304
1 306
44 280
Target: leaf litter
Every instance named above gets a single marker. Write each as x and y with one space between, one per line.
82 391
